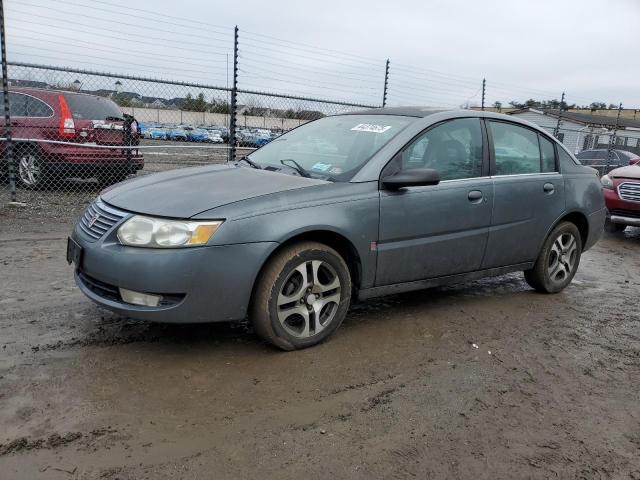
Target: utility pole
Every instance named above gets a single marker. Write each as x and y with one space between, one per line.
484 89
7 117
386 84
556 132
234 98
613 137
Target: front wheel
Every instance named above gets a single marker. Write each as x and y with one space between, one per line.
558 260
302 296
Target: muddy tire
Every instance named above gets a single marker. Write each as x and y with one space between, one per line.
558 260
301 297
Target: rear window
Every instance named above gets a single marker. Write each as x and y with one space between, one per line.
92 108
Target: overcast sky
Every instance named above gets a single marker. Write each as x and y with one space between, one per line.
439 49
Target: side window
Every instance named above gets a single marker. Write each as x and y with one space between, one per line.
17 105
516 149
37 108
453 148
548 155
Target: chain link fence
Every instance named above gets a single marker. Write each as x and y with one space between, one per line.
75 132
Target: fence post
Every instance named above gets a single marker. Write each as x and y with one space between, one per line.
234 98
386 84
556 131
612 138
484 89
7 115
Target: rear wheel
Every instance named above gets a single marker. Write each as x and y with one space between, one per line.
558 260
32 170
302 296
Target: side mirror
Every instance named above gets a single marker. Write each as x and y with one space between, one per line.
416 177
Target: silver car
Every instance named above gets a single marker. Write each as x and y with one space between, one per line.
346 207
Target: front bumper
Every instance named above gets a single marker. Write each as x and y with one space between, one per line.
621 211
200 284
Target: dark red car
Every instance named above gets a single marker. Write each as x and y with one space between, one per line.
621 189
40 118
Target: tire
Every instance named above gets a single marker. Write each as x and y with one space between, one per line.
611 227
32 171
299 285
558 260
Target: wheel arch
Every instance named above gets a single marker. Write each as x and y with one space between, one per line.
340 243
579 219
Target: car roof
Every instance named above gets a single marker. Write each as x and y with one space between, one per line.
45 91
424 112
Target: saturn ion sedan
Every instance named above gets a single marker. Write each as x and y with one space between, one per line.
346 207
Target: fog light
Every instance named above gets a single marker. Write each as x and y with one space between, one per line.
138 298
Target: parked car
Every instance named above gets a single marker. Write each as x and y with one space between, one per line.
601 160
288 236
621 189
214 136
157 134
39 116
262 138
196 134
177 134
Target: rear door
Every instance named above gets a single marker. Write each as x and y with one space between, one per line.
438 230
529 193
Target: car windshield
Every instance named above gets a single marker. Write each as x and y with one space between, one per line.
88 107
332 148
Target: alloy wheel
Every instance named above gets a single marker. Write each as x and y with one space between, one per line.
309 298
29 170
562 258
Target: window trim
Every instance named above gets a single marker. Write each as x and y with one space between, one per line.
484 172
492 170
34 97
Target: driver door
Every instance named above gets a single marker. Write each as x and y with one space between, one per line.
438 230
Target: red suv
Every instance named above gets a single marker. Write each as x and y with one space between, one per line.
622 195
70 117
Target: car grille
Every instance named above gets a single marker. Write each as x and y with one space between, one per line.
629 191
625 213
98 219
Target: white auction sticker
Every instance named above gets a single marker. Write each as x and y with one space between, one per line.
368 127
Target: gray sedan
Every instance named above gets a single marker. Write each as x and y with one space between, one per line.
349 206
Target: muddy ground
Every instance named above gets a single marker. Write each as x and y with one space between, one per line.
551 391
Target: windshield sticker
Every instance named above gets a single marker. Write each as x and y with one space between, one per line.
368 127
323 167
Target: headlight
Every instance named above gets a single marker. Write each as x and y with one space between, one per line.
606 182
150 232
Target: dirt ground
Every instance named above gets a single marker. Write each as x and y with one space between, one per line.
482 380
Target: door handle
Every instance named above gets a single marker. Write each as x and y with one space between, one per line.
549 188
475 196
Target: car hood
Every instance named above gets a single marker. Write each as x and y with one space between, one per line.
632 171
186 192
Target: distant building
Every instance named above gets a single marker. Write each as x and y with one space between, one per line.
582 131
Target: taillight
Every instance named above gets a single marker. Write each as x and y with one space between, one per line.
67 125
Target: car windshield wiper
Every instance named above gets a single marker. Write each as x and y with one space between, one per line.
250 162
296 166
